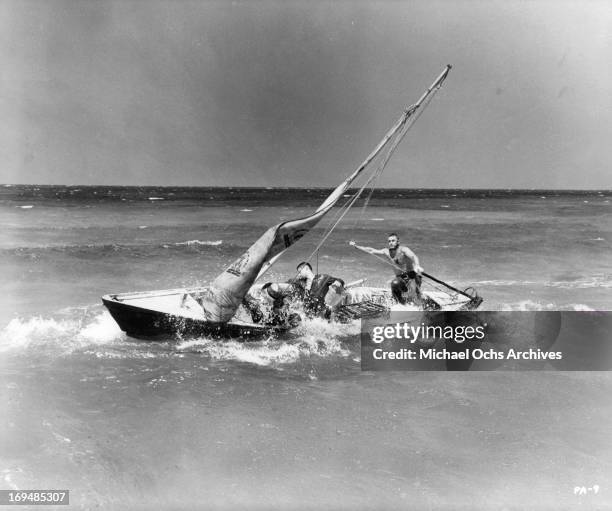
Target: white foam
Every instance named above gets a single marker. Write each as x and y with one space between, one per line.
398 307
504 282
103 329
258 353
582 307
156 198
198 242
596 281
65 335
246 210
527 305
316 337
264 355
323 329
531 305
21 333
29 206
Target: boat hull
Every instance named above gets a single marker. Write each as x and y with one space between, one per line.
147 323
178 313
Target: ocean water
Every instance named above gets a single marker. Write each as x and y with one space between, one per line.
290 422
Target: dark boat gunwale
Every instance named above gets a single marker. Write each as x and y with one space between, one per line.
149 324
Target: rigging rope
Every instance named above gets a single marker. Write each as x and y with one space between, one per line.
408 124
352 201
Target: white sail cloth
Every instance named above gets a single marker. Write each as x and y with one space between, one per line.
221 300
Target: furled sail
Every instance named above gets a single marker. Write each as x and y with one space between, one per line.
224 296
221 300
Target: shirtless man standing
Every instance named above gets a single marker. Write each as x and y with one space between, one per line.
405 264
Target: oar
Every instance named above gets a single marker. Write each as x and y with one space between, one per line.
430 277
355 283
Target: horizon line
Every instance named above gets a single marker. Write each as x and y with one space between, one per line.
10 185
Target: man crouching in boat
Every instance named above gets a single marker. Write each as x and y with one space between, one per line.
280 294
321 293
406 265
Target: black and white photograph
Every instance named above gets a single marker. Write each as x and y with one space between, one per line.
305 255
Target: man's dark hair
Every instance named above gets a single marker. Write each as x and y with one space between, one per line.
266 285
393 234
302 264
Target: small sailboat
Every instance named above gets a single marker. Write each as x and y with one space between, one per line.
214 310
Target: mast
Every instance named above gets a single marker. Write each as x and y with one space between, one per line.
409 112
221 300
337 193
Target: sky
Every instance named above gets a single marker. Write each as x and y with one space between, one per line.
297 93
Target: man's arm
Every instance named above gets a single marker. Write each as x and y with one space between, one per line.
368 250
415 260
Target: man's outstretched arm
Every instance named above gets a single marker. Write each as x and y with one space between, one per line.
368 250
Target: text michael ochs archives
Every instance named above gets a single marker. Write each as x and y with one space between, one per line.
457 334
485 340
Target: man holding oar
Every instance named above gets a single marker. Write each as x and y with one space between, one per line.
405 264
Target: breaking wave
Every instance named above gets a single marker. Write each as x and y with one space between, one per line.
313 338
100 249
192 243
97 335
598 281
62 336
532 305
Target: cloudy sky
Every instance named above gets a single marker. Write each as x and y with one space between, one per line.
262 93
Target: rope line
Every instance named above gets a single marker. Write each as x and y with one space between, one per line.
408 124
401 128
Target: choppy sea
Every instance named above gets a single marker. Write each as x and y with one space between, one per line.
290 423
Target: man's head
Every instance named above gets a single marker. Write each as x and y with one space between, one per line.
268 288
304 269
393 240
278 290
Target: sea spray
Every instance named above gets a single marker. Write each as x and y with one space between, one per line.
58 336
313 338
